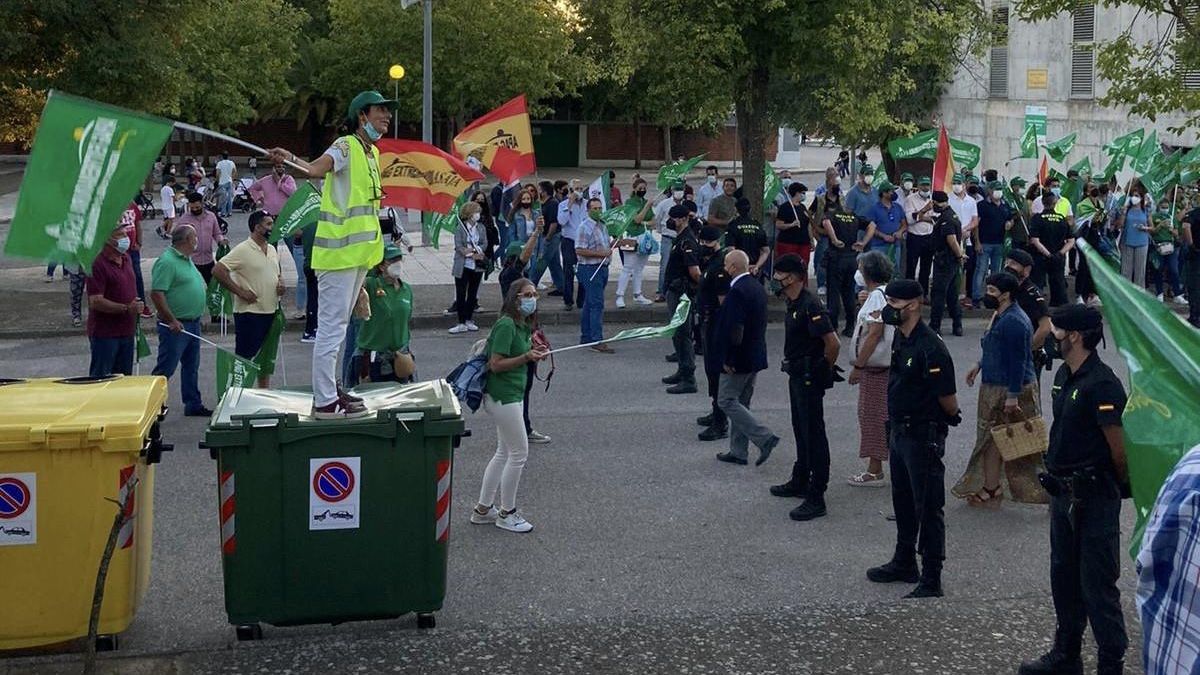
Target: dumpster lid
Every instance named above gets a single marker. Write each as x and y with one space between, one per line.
275 403
113 413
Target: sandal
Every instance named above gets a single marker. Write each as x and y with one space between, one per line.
866 479
987 497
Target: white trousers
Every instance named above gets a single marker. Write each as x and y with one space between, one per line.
337 290
632 267
504 470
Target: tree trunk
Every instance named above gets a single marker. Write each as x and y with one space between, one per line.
667 156
751 109
637 143
889 163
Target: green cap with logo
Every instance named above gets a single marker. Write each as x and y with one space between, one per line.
866 170
886 186
392 251
956 178
924 180
367 98
905 176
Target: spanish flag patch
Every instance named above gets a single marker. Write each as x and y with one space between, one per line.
1106 407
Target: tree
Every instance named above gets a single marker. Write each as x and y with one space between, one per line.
1147 76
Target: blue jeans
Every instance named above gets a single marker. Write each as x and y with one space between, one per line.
1168 272
991 257
591 314
225 199
301 283
819 261
546 257
505 235
111 356
177 349
136 258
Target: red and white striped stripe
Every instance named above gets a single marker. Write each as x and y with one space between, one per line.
441 513
228 542
125 536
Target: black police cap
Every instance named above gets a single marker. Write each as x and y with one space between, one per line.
1021 257
791 264
678 211
1076 317
709 233
940 197
904 289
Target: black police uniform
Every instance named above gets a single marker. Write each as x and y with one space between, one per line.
714 284
841 264
805 325
1051 229
1191 262
921 373
943 293
679 284
1031 301
1085 511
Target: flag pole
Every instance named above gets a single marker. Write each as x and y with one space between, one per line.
230 139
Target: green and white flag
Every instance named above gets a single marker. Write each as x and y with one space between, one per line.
142 346
618 219
434 224
880 177
924 146
1125 146
298 212
1147 154
1029 142
647 332
88 161
1083 166
1189 167
600 189
675 172
234 371
1062 147
269 351
772 186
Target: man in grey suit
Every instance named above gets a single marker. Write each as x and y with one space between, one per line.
741 347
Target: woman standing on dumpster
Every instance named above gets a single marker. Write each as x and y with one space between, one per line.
509 349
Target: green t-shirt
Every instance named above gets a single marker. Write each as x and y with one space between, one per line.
1162 233
176 276
391 311
508 339
636 228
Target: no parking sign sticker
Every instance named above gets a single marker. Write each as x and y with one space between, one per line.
18 509
333 493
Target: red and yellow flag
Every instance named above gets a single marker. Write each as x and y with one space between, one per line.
501 140
1044 171
417 175
943 163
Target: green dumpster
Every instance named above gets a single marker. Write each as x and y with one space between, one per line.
325 521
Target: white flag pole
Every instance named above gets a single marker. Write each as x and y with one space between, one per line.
230 139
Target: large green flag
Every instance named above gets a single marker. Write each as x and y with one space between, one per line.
234 371
1114 166
646 332
676 171
1028 142
1083 166
434 224
1147 153
88 162
880 177
1162 174
772 186
264 360
1123 146
298 212
618 219
924 146
1163 355
1062 147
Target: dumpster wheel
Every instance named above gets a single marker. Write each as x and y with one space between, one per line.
426 621
249 631
106 643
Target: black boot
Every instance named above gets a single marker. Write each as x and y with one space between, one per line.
900 568
673 378
812 507
930 585
672 358
685 385
1110 667
1053 662
714 433
789 489
707 420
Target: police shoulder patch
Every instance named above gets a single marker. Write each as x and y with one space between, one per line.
1106 407
935 370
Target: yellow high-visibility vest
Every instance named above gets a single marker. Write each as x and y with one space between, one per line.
348 234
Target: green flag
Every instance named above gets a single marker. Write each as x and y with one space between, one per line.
676 171
772 186
234 371
646 332
1114 166
1062 147
1163 356
1028 142
433 224
1083 166
1147 153
879 178
142 346
88 162
298 212
220 300
264 360
1123 146
618 219
924 146
1162 174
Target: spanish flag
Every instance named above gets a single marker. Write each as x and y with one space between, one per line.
501 140
1044 171
417 175
943 163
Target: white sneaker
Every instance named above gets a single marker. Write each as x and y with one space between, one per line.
1159 297
485 518
642 300
512 522
538 437
1180 300
459 329
472 327
620 302
50 278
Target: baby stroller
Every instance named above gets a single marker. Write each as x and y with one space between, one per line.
242 200
146 203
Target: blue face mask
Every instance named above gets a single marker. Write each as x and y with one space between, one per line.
372 132
1057 191
528 306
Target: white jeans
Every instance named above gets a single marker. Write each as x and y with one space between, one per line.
503 472
337 290
632 266
1133 264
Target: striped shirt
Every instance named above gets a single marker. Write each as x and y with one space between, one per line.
592 235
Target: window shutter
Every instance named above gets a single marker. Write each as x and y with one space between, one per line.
1189 79
1083 71
998 71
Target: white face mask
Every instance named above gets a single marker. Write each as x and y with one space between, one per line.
908 185
925 194
1135 200
958 189
859 279
393 270
997 194
712 180
678 195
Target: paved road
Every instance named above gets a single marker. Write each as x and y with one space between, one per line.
648 555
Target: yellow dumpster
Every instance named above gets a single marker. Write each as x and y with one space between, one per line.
66 448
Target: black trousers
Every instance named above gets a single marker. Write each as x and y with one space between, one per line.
1085 550
310 306
808 426
839 289
530 376
466 292
918 492
1051 274
969 271
920 250
685 348
569 261
943 294
720 420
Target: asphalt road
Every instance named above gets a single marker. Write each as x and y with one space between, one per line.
647 554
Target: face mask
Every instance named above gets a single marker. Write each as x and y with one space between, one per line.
1057 191
475 217
528 306
279 171
867 179
594 214
1135 201
393 270
991 302
925 194
372 132
891 315
997 195
1164 208
958 188
972 190
908 185
712 180
641 193
1014 271
859 279
526 204
677 195
123 244
775 286
803 197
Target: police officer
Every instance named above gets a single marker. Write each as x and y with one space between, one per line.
714 285
948 258
1050 237
1031 301
921 406
681 278
810 350
1086 479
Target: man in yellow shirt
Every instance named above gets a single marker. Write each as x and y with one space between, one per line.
251 272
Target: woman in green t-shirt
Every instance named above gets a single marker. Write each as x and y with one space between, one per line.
509 348
383 339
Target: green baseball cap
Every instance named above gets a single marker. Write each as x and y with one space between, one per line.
365 99
956 178
973 180
995 185
514 249
866 169
886 186
906 176
392 251
924 180
1018 182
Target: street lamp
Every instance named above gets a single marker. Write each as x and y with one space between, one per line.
396 72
